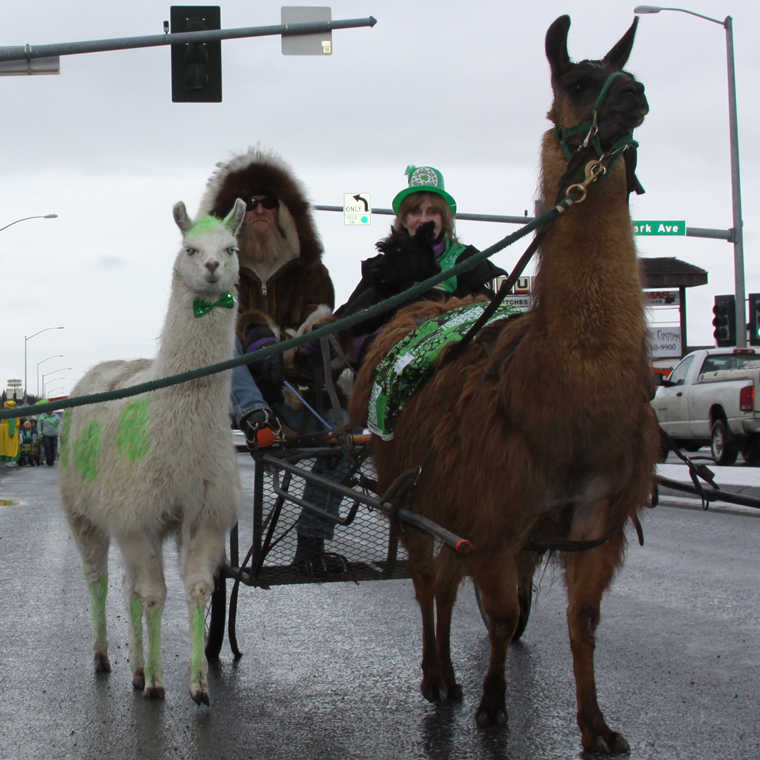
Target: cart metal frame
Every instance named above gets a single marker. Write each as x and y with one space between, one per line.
366 545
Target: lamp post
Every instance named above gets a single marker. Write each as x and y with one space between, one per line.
56 356
52 372
23 219
737 234
27 338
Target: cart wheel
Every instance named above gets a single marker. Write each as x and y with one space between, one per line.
215 616
524 594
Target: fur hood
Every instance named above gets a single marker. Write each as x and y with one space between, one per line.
259 170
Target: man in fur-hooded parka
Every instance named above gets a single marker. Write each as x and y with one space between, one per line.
282 277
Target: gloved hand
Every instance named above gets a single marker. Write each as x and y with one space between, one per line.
406 259
259 428
268 373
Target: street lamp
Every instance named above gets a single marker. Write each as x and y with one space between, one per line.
57 356
38 216
27 338
737 234
52 372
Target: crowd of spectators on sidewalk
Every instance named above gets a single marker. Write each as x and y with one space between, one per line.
29 440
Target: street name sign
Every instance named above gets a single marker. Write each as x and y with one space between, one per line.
660 227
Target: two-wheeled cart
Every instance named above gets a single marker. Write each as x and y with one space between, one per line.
365 545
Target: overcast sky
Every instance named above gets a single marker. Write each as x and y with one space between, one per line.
461 86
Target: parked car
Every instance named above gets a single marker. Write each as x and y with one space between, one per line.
711 397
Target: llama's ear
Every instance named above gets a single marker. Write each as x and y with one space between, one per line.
181 218
620 52
234 219
556 45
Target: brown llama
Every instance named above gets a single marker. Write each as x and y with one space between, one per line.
540 432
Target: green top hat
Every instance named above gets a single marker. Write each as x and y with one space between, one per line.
424 179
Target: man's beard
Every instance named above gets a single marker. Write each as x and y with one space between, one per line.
264 250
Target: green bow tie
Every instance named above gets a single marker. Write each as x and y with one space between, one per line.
201 306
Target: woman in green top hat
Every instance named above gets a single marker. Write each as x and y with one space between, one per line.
422 242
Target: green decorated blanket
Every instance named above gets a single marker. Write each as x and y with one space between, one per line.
411 362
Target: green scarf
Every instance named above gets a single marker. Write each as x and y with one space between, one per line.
447 260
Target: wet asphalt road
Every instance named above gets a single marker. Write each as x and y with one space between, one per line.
332 670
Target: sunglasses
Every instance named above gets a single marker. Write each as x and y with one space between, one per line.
267 202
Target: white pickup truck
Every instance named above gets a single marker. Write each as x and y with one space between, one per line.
712 397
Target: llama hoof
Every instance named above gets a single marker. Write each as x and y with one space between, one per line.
454 693
138 679
613 744
102 663
200 697
154 692
486 717
430 691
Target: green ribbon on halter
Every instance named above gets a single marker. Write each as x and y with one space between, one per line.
201 306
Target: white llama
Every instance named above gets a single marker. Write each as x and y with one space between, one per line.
139 468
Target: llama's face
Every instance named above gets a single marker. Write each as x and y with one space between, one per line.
577 85
208 260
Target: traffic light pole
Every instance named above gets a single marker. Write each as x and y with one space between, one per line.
29 52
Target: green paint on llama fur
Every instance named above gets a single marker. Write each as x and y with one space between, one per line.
204 225
136 614
153 664
198 638
135 618
132 439
87 451
98 593
65 429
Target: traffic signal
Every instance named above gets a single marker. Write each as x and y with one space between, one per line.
724 320
754 319
196 66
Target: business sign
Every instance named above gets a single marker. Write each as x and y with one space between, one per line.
662 297
659 227
357 208
519 302
318 43
665 342
15 389
523 285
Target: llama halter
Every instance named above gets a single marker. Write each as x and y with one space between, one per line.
591 129
201 306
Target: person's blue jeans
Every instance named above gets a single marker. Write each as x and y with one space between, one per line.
247 397
335 467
